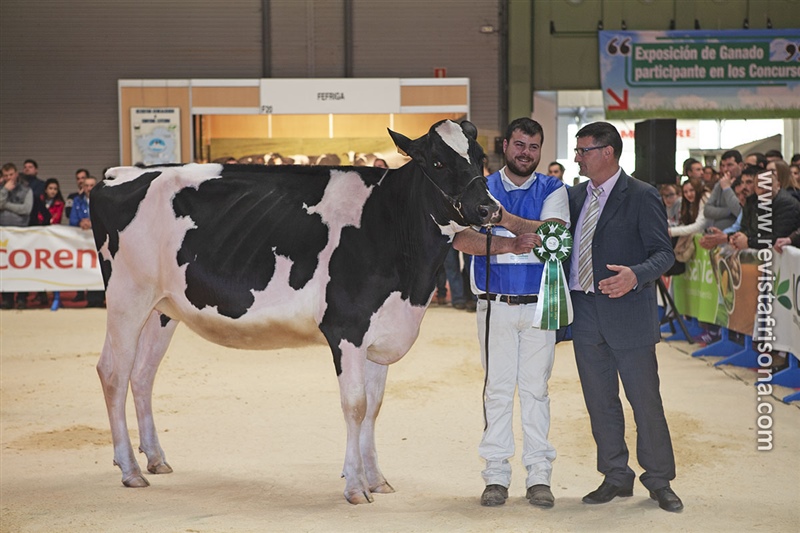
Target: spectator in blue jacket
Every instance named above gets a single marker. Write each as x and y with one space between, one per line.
79 216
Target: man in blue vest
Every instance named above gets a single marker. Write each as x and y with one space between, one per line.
520 356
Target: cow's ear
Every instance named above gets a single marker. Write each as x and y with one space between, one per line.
402 142
469 129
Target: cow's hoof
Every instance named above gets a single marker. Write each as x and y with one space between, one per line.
136 481
161 468
358 497
383 488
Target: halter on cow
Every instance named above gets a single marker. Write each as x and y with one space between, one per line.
261 257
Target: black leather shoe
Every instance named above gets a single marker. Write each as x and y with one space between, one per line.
607 492
540 496
667 499
494 495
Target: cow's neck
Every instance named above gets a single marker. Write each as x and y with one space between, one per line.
411 200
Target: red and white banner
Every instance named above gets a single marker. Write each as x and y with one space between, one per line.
48 258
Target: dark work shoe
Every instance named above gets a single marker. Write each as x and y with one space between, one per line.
540 496
667 499
607 492
494 495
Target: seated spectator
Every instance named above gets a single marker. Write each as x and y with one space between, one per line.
784 213
722 207
80 175
30 170
691 219
53 203
556 170
380 163
792 240
692 168
788 177
710 178
16 202
715 236
672 202
773 155
756 159
794 169
80 217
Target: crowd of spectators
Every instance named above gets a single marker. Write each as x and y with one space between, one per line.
27 200
724 206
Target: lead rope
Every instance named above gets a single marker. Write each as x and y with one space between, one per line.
488 315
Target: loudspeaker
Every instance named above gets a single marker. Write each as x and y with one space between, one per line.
655 151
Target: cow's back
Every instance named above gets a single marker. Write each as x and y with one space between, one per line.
228 250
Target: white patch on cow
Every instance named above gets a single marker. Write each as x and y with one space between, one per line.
393 328
450 229
343 200
453 136
189 172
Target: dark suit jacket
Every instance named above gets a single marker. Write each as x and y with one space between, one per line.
632 231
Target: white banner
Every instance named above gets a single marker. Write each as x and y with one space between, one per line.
48 258
330 95
786 305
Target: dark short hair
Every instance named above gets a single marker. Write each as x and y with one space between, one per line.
774 153
735 154
31 161
603 133
559 165
761 159
9 166
526 125
688 164
82 170
752 170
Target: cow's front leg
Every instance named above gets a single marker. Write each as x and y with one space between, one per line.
354 406
375 385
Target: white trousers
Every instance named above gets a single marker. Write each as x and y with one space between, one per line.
520 357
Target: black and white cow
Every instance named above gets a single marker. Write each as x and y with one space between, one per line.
261 257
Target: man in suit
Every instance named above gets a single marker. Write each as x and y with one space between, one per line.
621 248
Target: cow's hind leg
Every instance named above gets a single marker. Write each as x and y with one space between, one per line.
115 368
354 406
153 344
375 385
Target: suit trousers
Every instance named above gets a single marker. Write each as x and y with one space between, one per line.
601 368
520 356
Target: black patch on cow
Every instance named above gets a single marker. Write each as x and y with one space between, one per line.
398 248
113 209
244 219
164 320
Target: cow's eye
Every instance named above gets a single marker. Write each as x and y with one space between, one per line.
438 164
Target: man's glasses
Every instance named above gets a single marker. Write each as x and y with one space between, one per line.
582 151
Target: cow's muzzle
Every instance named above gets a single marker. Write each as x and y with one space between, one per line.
490 214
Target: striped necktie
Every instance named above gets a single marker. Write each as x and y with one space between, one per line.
585 276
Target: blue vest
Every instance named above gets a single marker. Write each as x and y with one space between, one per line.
522 278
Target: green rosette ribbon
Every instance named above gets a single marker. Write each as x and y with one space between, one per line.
555 306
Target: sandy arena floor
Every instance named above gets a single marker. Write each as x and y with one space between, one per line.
257 441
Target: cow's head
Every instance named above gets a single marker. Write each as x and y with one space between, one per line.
451 158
